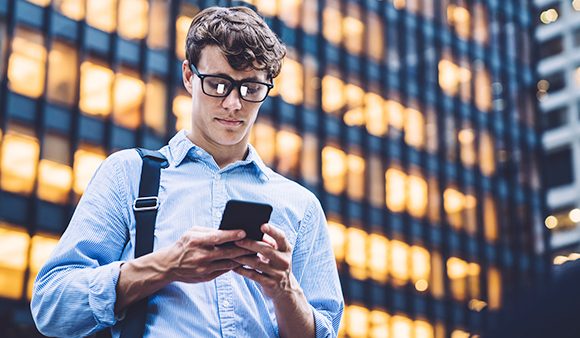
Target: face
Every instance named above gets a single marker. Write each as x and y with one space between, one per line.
220 121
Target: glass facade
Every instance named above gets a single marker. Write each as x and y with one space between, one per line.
413 122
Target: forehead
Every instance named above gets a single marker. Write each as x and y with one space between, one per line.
212 61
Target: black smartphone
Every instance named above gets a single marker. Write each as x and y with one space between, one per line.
247 216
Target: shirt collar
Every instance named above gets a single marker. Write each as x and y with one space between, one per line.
181 146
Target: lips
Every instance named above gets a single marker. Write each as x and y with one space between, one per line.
229 122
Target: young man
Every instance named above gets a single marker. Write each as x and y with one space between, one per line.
195 287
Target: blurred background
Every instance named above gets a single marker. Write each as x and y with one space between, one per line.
441 136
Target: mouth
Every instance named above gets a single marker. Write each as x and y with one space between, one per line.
229 122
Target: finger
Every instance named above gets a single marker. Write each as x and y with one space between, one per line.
256 264
278 235
223 265
268 239
275 257
218 237
253 275
220 253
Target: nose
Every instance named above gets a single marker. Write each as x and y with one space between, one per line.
233 101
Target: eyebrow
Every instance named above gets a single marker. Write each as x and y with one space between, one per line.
251 78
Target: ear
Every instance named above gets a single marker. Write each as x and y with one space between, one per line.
187 76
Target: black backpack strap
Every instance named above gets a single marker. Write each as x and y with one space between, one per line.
145 210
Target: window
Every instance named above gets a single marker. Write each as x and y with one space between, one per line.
376 115
102 14
333 97
420 267
95 91
396 113
3 45
184 18
559 168
451 77
291 82
466 139
310 17
74 9
395 182
182 110
356 255
133 19
416 195
414 128
376 192
128 98
62 74
86 161
40 250
337 232
354 116
26 66
288 145
486 154
433 200
378 250
42 3
375 33
483 95
355 187
20 151
464 278
14 251
459 18
398 261
457 205
158 36
356 321
354 40
401 326
266 7
379 324
332 22
264 140
494 288
490 219
437 284
291 12
54 172
309 161
311 81
334 168
155 105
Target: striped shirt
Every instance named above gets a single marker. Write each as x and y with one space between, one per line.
74 293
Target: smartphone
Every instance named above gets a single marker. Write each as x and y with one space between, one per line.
247 216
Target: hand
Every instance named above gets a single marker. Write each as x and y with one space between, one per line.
271 267
196 256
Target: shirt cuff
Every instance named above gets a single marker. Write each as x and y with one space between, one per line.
103 293
322 325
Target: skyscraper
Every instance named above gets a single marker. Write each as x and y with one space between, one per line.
414 122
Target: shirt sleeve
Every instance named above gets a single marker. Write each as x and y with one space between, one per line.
314 266
74 292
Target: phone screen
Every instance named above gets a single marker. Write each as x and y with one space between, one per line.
248 216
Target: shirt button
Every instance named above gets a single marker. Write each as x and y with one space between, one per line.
198 152
226 303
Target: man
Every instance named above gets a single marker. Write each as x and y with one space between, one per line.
195 287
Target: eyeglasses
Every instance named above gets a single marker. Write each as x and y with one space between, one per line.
222 86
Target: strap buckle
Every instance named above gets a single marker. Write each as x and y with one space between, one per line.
146 203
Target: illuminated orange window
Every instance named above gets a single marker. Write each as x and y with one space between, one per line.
353 40
20 153
355 103
375 33
332 22
291 12
155 102
54 172
334 169
309 163
451 77
494 288
62 73
357 321
420 267
395 189
416 196
288 145
379 324
291 86
376 187
480 23
467 151
95 91
337 233
486 154
102 14
182 111
356 176
399 261
437 284
414 128
133 19
483 95
86 162
311 81
401 326
333 97
459 18
158 36
375 115
267 7
40 250
423 329
74 9
186 14
396 114
378 249
42 3
13 255
26 66
356 252
490 228
264 140
464 278
129 92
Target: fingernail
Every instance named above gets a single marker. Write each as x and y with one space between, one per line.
241 234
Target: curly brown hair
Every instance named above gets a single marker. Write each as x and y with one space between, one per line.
241 34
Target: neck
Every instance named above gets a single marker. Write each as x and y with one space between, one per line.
222 154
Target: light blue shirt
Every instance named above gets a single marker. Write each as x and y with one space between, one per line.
74 293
